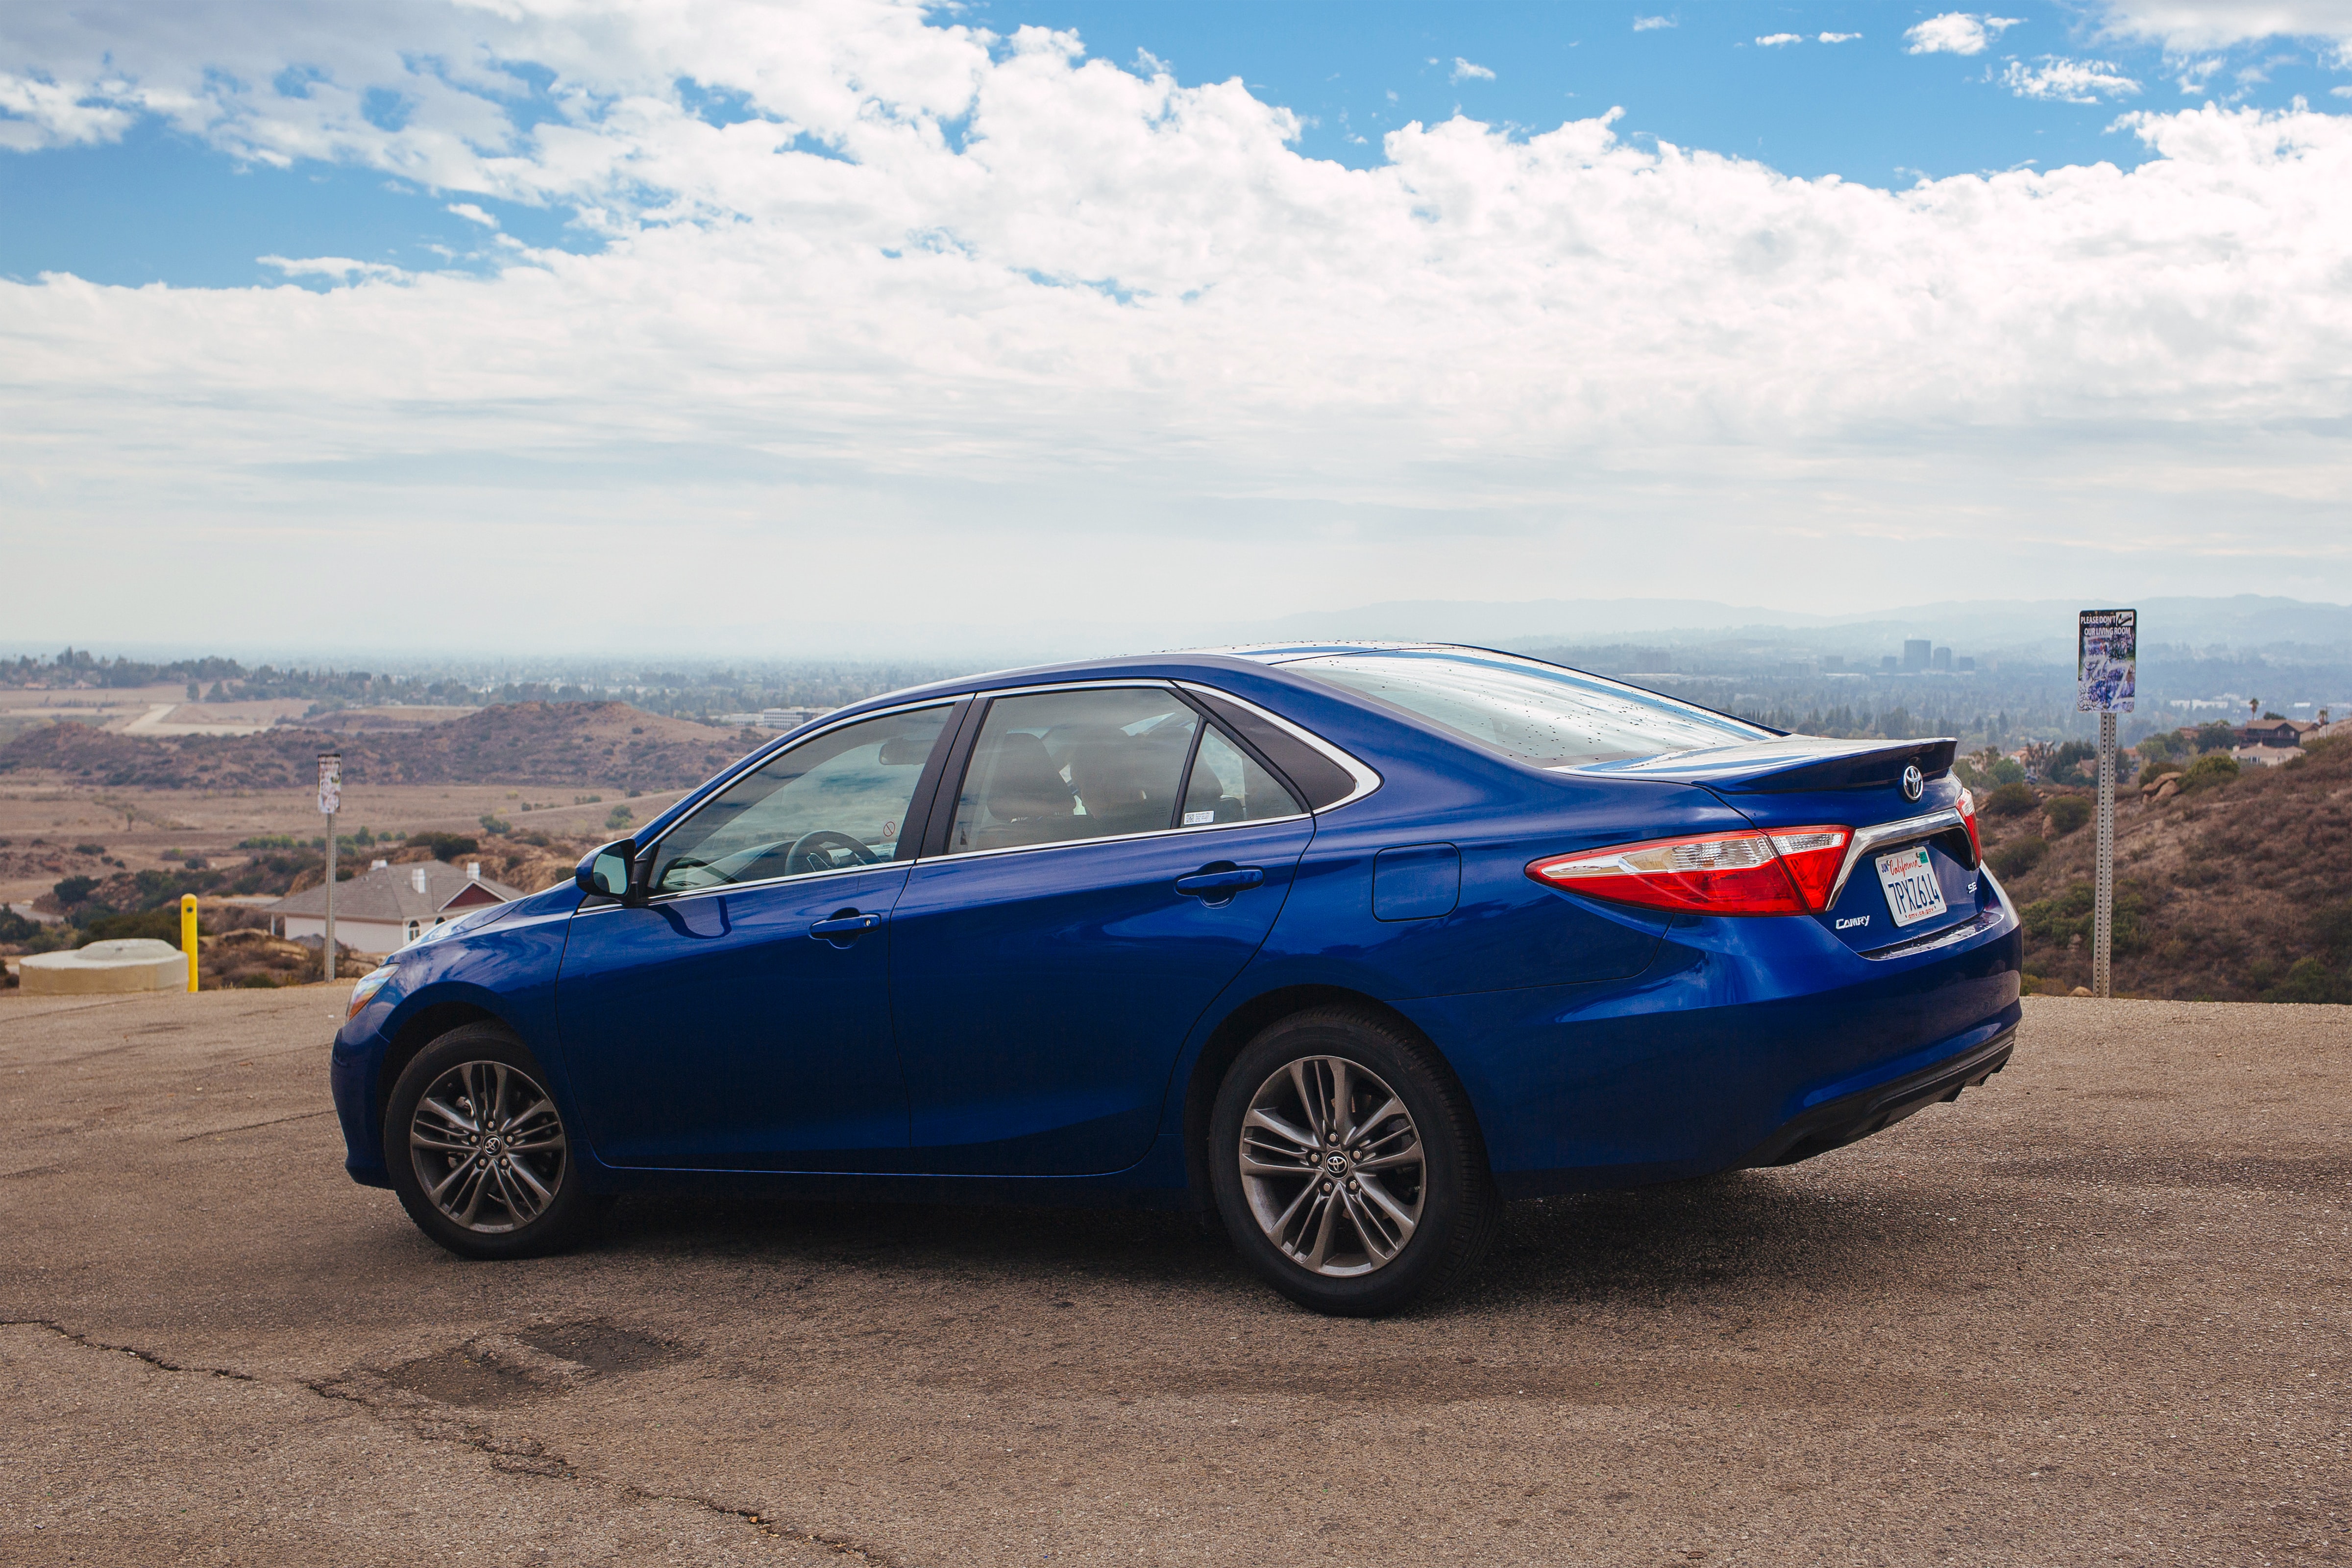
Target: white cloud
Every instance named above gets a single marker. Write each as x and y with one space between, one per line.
1775 40
1107 312
2183 26
1464 71
2195 75
2339 93
473 214
1651 23
1957 33
2067 81
338 267
1839 37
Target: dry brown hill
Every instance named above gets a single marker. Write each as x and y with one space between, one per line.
516 743
2237 893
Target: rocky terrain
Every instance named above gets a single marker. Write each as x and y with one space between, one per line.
2234 889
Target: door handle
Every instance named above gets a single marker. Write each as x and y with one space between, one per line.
845 927
1218 883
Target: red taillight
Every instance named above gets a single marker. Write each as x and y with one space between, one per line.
1787 872
1968 815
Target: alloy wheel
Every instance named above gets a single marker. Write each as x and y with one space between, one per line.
489 1147
1332 1165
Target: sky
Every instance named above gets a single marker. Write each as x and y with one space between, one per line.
854 325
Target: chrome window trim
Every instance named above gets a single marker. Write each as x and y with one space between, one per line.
1108 839
1366 780
1133 683
681 894
1866 839
753 763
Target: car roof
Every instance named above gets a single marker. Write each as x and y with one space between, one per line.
1241 655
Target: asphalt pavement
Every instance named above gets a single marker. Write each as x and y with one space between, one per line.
2093 1312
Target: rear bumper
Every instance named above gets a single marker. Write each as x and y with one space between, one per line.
1854 1117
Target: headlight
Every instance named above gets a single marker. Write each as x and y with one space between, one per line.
370 983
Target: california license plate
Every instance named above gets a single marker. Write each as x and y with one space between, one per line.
1913 892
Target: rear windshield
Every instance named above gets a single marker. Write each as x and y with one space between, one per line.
1539 714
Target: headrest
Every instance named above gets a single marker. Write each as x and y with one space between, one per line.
1025 783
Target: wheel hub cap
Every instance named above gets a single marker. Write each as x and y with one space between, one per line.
489 1147
1332 1166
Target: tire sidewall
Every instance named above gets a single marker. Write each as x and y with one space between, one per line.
477 1042
1456 1183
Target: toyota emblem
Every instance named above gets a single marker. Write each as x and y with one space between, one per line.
1915 783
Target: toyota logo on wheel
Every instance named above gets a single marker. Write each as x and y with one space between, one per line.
1915 783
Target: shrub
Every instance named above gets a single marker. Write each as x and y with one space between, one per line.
2210 772
619 816
162 923
2067 813
2310 979
444 846
2016 859
74 889
269 841
15 927
2061 918
2007 771
2011 800
493 823
89 848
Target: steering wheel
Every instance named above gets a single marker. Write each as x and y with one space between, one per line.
803 856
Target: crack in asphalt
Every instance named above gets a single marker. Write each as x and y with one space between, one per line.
150 1357
511 1456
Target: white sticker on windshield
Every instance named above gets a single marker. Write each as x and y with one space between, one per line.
1200 818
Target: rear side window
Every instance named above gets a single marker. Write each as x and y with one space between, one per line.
1228 787
1536 712
1067 765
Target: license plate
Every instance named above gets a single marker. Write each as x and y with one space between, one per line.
1913 892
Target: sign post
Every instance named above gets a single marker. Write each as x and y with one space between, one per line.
2106 663
331 801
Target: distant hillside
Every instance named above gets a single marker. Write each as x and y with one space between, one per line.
514 743
2238 893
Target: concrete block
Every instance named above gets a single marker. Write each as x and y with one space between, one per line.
138 963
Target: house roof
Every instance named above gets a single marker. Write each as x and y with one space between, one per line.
390 893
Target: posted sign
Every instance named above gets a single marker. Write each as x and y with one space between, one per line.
331 783
2107 659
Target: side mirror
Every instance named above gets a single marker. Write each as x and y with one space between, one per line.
607 871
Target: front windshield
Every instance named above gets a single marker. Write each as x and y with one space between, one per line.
1536 712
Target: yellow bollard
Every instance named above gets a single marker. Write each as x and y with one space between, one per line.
188 934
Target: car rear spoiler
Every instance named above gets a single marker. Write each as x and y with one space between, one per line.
1792 764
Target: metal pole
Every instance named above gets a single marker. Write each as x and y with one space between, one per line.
327 952
188 934
2103 916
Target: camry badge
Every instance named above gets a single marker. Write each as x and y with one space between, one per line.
1915 783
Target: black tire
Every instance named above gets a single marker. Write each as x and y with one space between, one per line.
489 1057
1451 1198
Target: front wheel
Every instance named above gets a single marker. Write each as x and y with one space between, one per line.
1347 1168
479 1152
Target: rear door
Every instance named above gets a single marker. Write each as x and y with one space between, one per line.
1111 862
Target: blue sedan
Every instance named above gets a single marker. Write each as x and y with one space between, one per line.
1345 945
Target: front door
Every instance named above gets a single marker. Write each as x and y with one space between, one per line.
1046 970
740 1018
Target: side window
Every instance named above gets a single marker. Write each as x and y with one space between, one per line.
1228 787
836 800
1066 765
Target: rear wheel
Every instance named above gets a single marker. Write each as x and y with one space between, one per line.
479 1152
1348 1167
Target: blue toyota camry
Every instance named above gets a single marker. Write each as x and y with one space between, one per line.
1343 945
